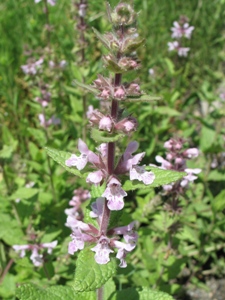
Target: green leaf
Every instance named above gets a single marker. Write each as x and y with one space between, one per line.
30 291
162 177
97 190
7 151
101 38
165 110
207 138
38 135
143 98
105 137
216 175
89 275
170 65
218 203
60 157
24 193
12 233
141 294
86 87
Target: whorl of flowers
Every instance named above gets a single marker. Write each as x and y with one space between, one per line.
181 30
176 158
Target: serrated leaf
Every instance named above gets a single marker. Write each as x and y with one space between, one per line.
101 38
60 157
30 291
162 177
86 87
143 98
105 137
141 294
115 216
89 275
97 190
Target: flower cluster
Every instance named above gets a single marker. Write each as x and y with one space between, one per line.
180 30
32 67
176 158
36 257
127 164
80 196
105 241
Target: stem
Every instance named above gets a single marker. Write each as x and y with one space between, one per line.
100 293
6 269
5 176
114 113
46 272
50 170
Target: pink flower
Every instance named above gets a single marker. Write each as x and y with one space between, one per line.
35 257
139 173
181 51
119 93
90 110
106 123
181 30
51 2
95 177
123 249
127 160
81 161
97 209
191 153
127 125
165 164
190 177
102 251
32 67
77 243
114 194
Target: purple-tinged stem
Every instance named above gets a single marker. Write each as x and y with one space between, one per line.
114 113
100 293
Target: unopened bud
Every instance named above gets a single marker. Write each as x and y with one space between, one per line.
127 125
106 123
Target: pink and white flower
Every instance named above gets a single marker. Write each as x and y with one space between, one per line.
114 194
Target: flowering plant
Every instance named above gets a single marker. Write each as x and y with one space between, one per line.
99 229
180 30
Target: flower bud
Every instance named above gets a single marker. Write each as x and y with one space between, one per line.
123 14
127 125
133 89
106 123
119 93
